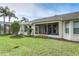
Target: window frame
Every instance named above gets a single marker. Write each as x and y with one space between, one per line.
67 27
74 27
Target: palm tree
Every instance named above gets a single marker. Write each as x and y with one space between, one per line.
4 14
25 19
10 15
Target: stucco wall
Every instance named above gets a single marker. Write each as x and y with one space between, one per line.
66 35
74 37
62 34
22 28
33 29
71 36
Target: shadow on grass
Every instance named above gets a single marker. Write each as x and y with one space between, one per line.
4 34
45 37
59 39
18 36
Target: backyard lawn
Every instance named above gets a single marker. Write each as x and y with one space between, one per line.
36 47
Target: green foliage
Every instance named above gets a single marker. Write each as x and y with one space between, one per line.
29 30
10 15
15 26
25 19
4 11
25 28
4 14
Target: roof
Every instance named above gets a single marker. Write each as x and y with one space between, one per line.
63 17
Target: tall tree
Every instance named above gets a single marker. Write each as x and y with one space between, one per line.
4 14
15 26
10 15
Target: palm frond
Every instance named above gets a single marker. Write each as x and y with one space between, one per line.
6 8
25 19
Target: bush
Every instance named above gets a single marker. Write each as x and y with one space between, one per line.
15 26
29 30
41 36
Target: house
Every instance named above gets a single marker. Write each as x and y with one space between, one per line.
64 26
2 27
24 25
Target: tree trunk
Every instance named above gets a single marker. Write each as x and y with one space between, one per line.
4 25
9 25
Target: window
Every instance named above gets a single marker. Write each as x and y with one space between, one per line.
67 27
76 27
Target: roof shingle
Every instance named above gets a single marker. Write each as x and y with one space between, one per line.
63 17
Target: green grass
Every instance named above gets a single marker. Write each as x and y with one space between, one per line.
30 46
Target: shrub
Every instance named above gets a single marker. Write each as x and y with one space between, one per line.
29 30
15 26
41 36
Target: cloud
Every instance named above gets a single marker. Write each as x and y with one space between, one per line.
34 11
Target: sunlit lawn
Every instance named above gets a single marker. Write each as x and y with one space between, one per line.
36 46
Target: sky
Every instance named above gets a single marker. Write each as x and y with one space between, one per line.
34 10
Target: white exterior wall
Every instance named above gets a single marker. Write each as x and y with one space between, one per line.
21 31
66 35
61 29
69 36
33 29
74 37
